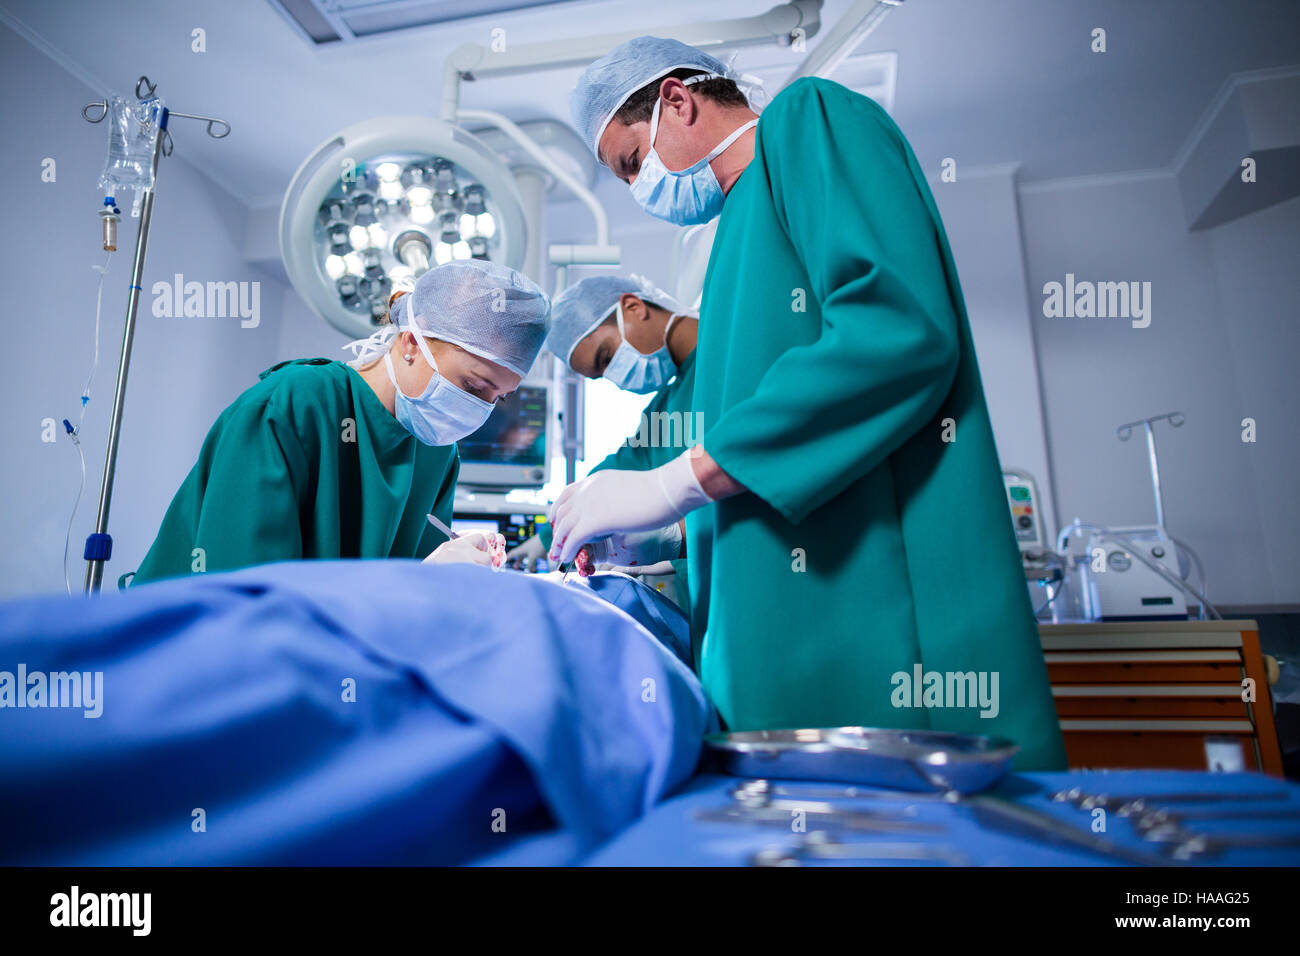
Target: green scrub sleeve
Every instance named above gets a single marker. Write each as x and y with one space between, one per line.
249 511
828 412
443 506
626 458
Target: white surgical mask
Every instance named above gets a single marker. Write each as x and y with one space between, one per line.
443 414
633 371
690 196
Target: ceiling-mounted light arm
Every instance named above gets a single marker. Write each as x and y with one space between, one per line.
562 176
459 63
473 61
843 38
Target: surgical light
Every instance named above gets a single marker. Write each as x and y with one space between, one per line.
381 202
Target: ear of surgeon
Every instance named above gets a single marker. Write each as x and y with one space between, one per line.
690 126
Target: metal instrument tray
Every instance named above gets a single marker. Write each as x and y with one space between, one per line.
916 760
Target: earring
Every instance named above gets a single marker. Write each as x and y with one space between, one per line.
409 358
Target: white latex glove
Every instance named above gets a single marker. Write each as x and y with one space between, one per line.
610 501
474 547
638 548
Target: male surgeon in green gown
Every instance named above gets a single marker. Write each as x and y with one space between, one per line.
851 555
638 337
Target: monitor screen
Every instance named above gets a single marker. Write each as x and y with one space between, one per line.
515 527
466 525
515 434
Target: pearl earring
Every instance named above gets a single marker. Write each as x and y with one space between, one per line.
409 358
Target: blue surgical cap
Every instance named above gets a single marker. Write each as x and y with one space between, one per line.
484 307
584 305
606 84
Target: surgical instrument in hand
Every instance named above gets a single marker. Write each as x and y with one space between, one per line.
451 535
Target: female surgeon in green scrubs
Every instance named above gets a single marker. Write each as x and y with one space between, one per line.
638 337
322 459
847 527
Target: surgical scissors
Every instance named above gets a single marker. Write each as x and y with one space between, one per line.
820 845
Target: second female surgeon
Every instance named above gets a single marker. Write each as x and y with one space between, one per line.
322 459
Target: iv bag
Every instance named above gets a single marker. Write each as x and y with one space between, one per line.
132 137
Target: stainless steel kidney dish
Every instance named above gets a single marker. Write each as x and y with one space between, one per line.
916 760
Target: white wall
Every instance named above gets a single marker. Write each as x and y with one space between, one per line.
1255 268
183 371
981 219
1220 346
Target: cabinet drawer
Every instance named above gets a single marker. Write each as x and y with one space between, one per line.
1150 749
1144 667
1212 701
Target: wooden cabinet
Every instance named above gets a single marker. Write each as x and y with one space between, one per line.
1162 694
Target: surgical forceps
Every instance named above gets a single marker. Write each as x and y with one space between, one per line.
819 845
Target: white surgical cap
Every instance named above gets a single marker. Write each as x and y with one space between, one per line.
584 305
607 83
484 307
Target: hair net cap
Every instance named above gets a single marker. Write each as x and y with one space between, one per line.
606 84
584 305
484 307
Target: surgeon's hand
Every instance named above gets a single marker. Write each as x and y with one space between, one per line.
623 501
527 553
635 548
474 547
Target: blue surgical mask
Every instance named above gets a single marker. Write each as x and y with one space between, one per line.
685 198
443 414
633 371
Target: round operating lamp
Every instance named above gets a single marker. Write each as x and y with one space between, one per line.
379 203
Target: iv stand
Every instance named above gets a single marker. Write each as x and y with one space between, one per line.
1125 432
99 544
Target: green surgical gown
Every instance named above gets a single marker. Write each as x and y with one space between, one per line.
837 379
657 444
307 463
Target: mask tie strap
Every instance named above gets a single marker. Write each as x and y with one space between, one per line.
735 135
